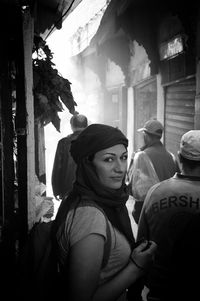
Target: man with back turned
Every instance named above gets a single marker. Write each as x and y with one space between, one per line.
64 167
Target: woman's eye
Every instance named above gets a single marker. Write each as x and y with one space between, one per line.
125 157
111 159
108 159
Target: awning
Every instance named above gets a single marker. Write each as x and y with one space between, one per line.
51 13
48 14
130 19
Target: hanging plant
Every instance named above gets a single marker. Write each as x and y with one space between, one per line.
51 91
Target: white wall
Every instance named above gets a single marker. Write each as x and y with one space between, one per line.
139 63
130 121
160 102
114 75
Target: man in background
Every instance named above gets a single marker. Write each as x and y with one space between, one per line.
64 167
151 164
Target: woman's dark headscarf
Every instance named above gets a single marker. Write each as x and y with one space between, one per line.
94 138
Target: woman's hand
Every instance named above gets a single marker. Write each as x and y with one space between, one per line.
143 255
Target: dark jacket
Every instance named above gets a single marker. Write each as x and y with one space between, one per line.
64 167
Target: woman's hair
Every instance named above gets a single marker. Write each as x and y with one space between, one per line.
91 157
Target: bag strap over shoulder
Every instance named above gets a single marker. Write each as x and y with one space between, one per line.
107 245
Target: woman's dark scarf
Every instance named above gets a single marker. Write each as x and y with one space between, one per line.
94 138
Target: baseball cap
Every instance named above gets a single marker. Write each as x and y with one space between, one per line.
190 145
153 127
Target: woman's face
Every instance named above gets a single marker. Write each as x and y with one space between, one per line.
111 165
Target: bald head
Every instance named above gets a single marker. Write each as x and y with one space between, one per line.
78 122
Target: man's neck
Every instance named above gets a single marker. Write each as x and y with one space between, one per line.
151 143
77 129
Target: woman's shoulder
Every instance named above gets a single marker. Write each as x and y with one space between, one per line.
90 214
88 207
86 219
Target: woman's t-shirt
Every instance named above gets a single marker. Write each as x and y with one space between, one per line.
90 220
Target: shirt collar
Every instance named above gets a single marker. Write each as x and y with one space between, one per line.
186 177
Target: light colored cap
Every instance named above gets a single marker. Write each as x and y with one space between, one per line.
190 145
153 127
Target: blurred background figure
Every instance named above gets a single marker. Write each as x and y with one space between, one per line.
64 167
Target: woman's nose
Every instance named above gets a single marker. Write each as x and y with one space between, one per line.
119 166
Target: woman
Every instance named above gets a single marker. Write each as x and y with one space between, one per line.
98 200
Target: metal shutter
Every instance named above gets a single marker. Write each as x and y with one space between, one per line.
179 112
